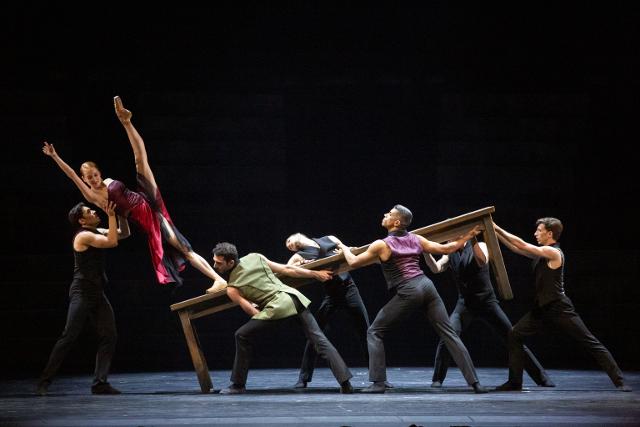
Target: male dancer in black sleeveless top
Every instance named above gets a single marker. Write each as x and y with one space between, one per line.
469 269
86 294
341 292
552 306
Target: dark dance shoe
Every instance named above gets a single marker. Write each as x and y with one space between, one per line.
388 385
43 388
346 387
547 383
436 384
104 388
376 387
509 386
478 389
234 389
623 387
300 384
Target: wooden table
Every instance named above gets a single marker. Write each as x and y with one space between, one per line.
208 304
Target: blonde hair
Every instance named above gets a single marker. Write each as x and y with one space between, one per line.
87 165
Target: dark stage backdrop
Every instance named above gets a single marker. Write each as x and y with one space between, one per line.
260 122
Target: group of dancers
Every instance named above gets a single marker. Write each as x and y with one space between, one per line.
252 282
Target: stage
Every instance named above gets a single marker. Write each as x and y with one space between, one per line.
174 398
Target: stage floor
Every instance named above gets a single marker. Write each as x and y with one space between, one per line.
174 398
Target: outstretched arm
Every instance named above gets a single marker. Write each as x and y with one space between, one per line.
447 248
295 271
137 144
50 151
370 256
521 247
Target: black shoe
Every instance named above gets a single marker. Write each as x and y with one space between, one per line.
478 389
43 388
234 389
388 385
376 387
623 387
104 388
300 384
346 387
436 384
547 383
509 386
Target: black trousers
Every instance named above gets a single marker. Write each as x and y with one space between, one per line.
559 315
420 294
348 298
83 307
246 334
491 313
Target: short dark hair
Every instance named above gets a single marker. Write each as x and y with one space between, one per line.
405 215
76 213
552 224
226 250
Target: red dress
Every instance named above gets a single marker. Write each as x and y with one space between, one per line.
145 210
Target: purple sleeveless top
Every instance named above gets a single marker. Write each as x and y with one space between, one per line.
404 263
124 198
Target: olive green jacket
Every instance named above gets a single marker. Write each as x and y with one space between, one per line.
257 283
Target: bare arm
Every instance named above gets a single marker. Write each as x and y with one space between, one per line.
123 228
480 252
447 248
50 151
296 259
123 231
246 305
436 266
295 271
511 247
83 240
521 247
371 255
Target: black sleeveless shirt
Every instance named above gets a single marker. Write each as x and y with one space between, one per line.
327 246
549 283
473 281
89 267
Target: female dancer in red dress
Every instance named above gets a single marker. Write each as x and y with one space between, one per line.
145 207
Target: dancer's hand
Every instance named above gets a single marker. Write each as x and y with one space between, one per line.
472 233
109 208
322 275
123 114
49 150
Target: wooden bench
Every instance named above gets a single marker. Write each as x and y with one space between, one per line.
208 304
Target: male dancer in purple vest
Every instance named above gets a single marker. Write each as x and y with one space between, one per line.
399 253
